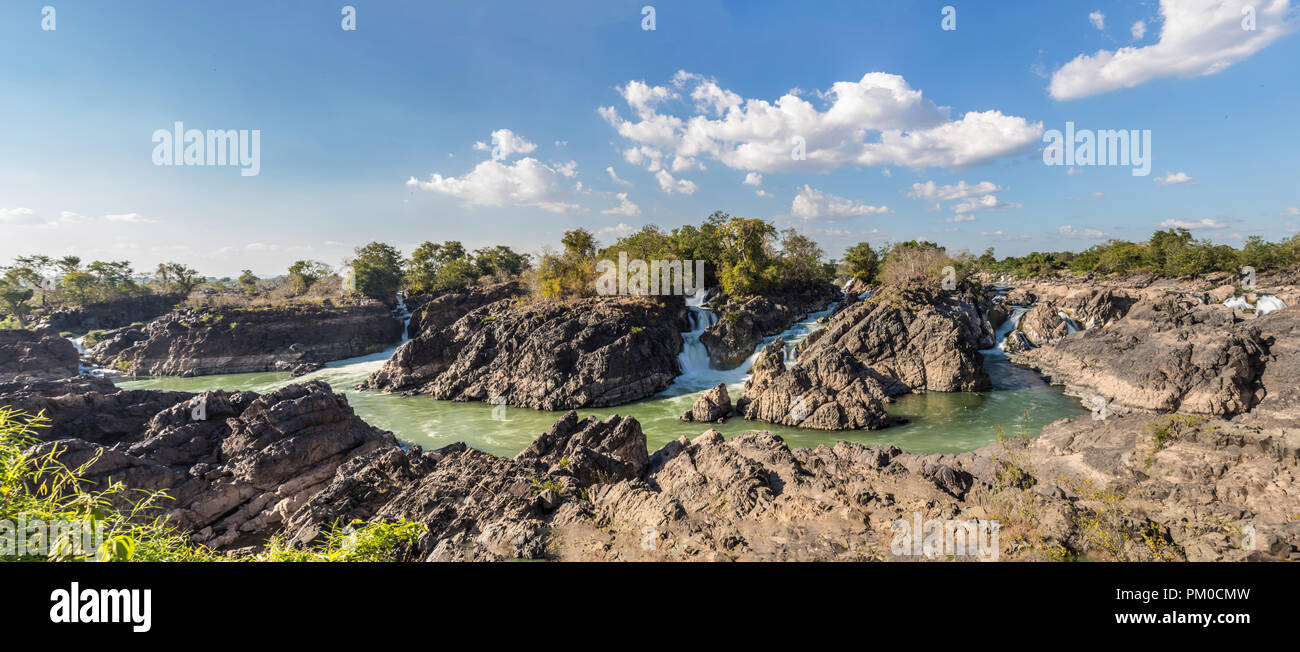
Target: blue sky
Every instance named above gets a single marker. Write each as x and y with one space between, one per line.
355 124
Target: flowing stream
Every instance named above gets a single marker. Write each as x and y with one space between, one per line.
938 422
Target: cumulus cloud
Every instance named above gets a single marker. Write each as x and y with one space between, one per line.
614 175
877 120
811 204
672 185
762 193
1176 179
1138 30
753 179
129 218
625 207
985 203
960 190
525 182
1197 37
19 216
1206 223
617 231
1097 19
1068 231
506 144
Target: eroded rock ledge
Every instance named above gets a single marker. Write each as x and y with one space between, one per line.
744 321
546 355
240 340
295 461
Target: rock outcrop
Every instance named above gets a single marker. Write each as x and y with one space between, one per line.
713 405
240 340
118 313
548 355
834 391
37 354
743 322
1165 355
1129 488
234 466
443 310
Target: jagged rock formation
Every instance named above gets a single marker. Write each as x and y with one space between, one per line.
36 354
713 405
88 408
117 313
834 391
1165 355
443 310
548 355
239 340
743 322
233 474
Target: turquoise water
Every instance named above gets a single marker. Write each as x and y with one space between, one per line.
938 422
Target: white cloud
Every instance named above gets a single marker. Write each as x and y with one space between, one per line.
569 169
19 216
618 231
670 185
69 217
1290 212
1176 179
1097 19
762 193
625 207
985 203
614 175
525 182
753 179
1093 197
1068 231
1198 37
1206 223
506 144
1138 30
959 190
877 120
812 204
129 218
960 218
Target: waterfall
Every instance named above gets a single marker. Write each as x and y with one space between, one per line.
1012 322
1265 304
694 358
402 313
1071 326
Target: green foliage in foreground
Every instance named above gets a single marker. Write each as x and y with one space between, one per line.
36 485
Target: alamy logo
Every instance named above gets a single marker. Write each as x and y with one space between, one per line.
78 605
933 537
1116 147
657 277
216 147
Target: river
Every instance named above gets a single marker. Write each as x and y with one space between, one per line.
938 422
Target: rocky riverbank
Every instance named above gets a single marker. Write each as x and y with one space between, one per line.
244 467
546 355
238 340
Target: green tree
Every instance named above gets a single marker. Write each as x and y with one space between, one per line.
500 261
862 262
377 271
14 298
304 273
185 278
247 282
